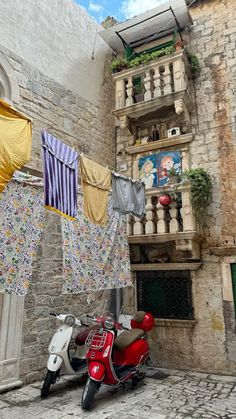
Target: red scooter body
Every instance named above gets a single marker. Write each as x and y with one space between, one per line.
134 354
112 361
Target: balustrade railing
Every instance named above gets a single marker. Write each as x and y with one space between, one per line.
162 77
175 218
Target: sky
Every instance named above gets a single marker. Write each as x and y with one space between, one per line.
119 9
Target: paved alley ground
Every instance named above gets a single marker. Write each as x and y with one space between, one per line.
165 394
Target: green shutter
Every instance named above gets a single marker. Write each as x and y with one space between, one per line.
233 273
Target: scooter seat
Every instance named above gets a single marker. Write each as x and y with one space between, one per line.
82 336
127 337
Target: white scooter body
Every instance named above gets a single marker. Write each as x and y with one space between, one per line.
58 350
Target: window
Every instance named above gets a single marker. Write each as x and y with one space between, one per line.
166 294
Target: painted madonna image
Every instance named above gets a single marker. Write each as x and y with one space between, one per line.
148 171
165 162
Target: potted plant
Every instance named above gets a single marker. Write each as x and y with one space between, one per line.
173 176
118 64
138 89
179 45
201 190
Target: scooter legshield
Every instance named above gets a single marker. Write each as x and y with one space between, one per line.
96 370
54 363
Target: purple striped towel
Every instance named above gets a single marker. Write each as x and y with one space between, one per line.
60 176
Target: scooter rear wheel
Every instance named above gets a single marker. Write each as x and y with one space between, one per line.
48 381
90 389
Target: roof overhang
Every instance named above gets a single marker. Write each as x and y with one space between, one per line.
149 26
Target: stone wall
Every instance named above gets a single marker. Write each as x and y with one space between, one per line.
59 37
210 344
89 128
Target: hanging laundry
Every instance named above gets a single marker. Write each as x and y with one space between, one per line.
60 173
21 224
96 183
15 142
95 257
128 195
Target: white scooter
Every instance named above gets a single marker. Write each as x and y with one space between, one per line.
60 361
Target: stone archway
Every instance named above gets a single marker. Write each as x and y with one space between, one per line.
11 306
9 86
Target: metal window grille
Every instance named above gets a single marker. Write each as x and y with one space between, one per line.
165 294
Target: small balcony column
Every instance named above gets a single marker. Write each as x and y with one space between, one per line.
161 223
180 77
167 80
189 222
157 82
148 85
129 92
149 226
174 223
138 226
120 94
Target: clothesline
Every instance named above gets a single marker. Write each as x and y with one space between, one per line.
61 165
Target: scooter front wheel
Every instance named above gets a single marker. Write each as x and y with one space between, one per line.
48 381
90 389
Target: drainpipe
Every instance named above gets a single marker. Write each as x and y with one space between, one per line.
118 297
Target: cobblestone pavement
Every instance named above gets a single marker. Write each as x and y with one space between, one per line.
165 394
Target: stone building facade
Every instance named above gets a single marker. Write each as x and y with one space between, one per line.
74 100
47 71
207 342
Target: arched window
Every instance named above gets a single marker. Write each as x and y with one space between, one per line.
9 87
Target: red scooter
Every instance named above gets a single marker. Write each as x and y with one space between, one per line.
116 359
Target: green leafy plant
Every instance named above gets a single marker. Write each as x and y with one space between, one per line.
121 63
172 172
118 64
194 63
149 56
201 190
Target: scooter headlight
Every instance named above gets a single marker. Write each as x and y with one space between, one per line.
70 320
109 323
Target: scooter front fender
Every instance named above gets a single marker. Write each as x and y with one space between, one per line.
54 362
96 370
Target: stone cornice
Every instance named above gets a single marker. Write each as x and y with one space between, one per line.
172 142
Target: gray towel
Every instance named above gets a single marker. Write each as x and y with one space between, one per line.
128 195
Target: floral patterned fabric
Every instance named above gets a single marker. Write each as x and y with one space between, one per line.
21 224
95 257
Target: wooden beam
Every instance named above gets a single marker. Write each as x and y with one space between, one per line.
191 266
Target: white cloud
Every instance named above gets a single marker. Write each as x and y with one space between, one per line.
132 8
94 7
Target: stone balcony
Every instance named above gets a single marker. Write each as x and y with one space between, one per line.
166 84
174 224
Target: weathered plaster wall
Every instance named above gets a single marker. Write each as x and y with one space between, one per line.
58 37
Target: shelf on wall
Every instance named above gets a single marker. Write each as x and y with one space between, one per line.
160 144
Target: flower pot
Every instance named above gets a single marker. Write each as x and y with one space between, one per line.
139 98
178 47
165 200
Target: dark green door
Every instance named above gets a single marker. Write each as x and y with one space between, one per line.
233 272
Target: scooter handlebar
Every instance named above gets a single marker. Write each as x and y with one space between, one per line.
53 314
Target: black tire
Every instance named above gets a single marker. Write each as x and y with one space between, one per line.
48 381
140 376
90 389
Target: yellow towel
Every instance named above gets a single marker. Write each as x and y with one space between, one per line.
96 183
15 142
